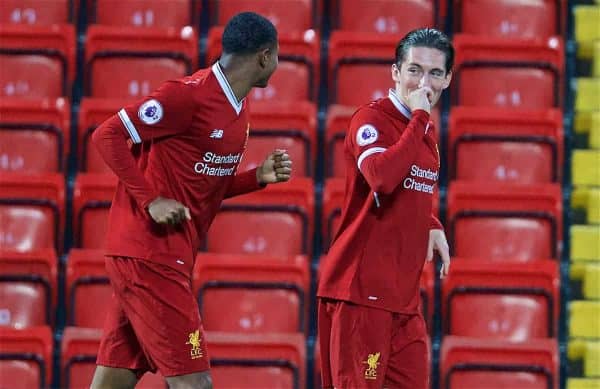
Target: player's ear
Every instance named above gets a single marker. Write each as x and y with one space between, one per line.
263 57
395 73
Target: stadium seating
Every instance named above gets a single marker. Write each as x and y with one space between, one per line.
262 293
125 62
333 201
92 112
86 281
35 12
34 134
511 300
288 126
384 16
297 75
92 197
585 167
582 383
32 211
509 18
588 275
36 61
520 222
587 352
469 363
28 288
276 221
491 144
583 320
26 354
289 16
586 17
248 361
78 360
586 200
144 13
508 73
584 239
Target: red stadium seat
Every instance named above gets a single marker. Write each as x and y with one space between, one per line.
87 281
92 196
78 360
297 75
144 13
509 300
491 144
252 293
26 357
337 124
34 135
31 211
36 61
35 12
249 361
360 56
385 16
287 16
468 363
92 112
288 126
27 288
122 62
276 221
500 221
515 19
509 73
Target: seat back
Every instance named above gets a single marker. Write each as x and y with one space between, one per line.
262 293
360 56
27 288
490 144
126 63
245 361
34 135
86 280
36 61
92 197
35 12
508 73
26 357
31 211
333 201
144 13
511 300
492 363
297 75
521 222
385 16
276 221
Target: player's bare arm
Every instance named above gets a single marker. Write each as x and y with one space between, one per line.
277 167
439 243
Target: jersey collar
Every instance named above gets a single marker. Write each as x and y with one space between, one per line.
404 110
218 72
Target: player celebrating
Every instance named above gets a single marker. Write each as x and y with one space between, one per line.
187 140
371 332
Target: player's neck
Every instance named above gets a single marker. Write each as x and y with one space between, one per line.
237 76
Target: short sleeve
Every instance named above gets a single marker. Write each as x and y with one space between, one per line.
369 133
167 111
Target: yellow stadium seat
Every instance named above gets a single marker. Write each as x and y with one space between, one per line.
583 383
583 122
585 243
589 352
587 28
584 319
594 139
587 94
587 198
586 167
596 65
589 275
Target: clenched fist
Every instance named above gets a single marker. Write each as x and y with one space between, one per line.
168 211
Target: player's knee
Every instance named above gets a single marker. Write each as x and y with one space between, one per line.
113 378
191 381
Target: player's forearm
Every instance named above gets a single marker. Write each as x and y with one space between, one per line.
111 142
244 182
384 171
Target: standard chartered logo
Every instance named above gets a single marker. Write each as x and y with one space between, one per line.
212 164
415 181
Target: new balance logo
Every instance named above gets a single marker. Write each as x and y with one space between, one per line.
216 134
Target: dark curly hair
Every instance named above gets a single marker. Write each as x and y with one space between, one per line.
247 33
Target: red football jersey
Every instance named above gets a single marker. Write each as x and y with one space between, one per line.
392 165
188 138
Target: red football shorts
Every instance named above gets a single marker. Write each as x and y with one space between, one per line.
363 347
153 322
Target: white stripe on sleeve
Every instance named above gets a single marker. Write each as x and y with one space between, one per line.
135 137
366 153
